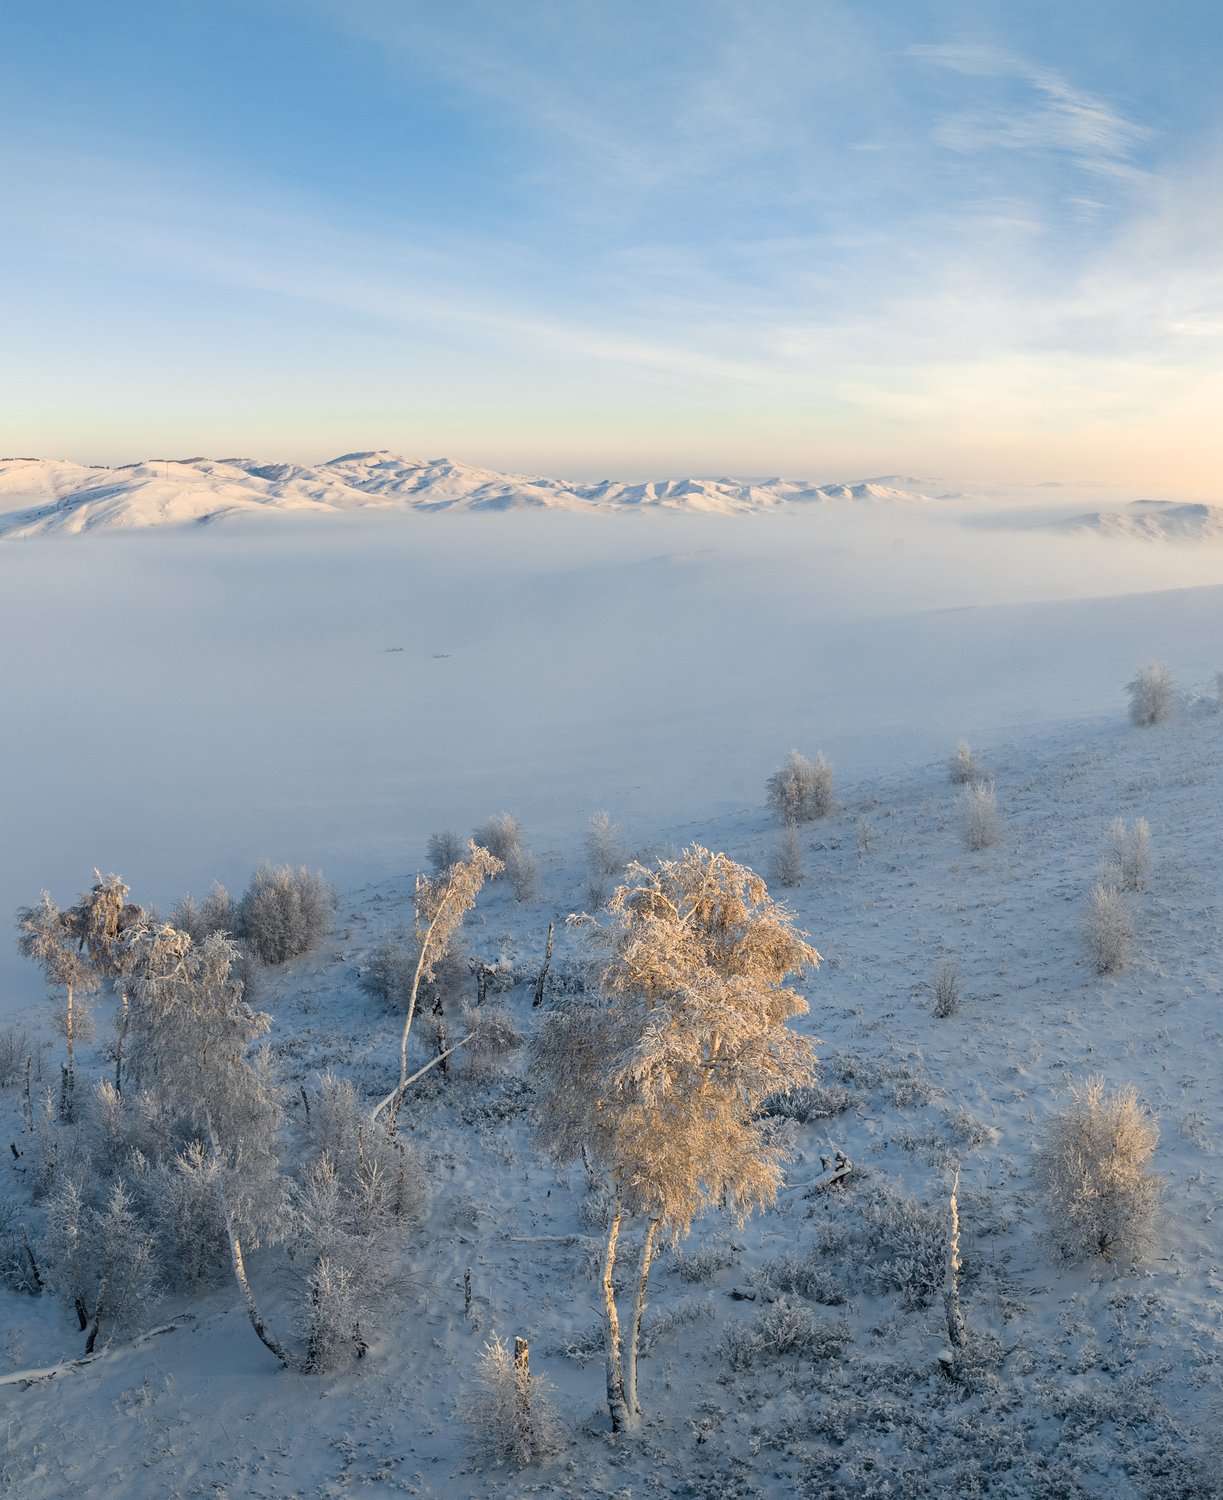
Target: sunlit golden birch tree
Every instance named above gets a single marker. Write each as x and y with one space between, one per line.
661 1079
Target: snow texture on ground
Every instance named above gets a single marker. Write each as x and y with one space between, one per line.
178 713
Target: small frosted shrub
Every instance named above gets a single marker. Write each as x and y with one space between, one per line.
786 861
797 1275
1110 928
1101 1198
784 1328
1151 695
964 766
508 1413
864 837
387 972
605 854
702 1264
284 912
946 989
811 1101
1129 856
443 850
979 814
801 790
501 835
522 871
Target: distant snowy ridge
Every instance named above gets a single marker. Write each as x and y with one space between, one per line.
1152 520
40 496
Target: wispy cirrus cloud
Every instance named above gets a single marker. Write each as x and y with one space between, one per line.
1044 114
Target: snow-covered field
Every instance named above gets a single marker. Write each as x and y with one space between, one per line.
329 690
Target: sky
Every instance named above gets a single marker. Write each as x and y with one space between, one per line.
609 237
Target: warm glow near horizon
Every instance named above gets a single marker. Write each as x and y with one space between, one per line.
799 240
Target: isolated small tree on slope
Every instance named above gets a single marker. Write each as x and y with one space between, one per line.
441 904
1150 692
662 1078
801 790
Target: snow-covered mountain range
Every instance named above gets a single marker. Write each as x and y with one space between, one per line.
39 496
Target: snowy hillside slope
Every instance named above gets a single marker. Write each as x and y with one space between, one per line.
38 496
1084 1380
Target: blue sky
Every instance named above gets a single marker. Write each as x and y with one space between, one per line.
610 237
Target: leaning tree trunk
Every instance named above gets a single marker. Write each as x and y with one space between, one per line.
264 1333
621 1415
630 1368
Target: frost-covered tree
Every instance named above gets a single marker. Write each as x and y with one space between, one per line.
1151 695
190 1036
979 815
443 850
1101 1198
440 905
964 765
50 937
605 854
216 913
359 1190
1129 854
801 790
1110 928
284 912
501 835
101 1261
660 1081
786 859
508 1412
104 922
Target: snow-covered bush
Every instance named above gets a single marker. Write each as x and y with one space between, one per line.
801 790
1151 695
605 853
501 835
1110 928
284 912
946 989
703 1263
1101 1198
444 850
1129 854
797 1275
979 814
508 1412
786 860
387 971
964 765
811 1101
522 871
216 913
783 1328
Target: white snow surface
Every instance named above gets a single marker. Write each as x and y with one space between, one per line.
177 708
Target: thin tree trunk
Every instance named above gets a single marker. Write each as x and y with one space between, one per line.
34 1271
264 1333
522 1388
395 1098
543 973
956 1331
29 1108
119 1045
99 1309
621 1417
630 1366
68 1101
